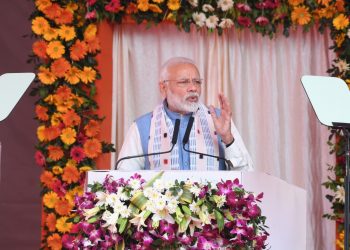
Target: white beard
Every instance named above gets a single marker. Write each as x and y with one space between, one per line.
181 103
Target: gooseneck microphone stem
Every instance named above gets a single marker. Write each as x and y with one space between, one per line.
173 142
186 139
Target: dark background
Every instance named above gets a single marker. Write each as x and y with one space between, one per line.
20 209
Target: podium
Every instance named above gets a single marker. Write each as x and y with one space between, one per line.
283 204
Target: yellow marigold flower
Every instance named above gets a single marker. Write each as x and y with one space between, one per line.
67 33
42 4
50 199
301 15
87 75
173 4
54 242
40 25
72 6
143 5
295 2
339 39
71 163
57 170
79 190
49 99
46 76
341 22
55 49
62 225
155 8
90 32
50 34
70 174
85 169
40 133
68 136
55 119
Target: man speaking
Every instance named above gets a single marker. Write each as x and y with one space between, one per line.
182 133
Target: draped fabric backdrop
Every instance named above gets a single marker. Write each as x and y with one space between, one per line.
261 78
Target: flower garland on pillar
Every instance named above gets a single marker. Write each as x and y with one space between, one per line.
64 54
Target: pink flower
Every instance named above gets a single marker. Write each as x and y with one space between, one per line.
114 6
225 188
203 243
242 7
77 154
262 21
268 4
39 158
244 21
91 15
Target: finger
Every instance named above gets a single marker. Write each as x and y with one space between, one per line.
212 112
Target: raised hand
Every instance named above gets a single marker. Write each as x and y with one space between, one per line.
222 123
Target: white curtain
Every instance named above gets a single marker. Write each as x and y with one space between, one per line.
261 77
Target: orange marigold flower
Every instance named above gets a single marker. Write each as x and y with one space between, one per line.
55 49
50 34
143 5
301 15
62 225
341 22
46 76
295 2
40 25
323 2
63 93
39 49
47 178
70 118
66 17
57 170
63 207
55 152
70 174
92 148
131 9
68 136
339 5
158 1
60 66
87 75
72 7
90 32
50 199
327 12
54 242
41 112
78 50
339 39
92 128
42 4
51 222
72 75
70 195
65 106
67 33
173 4
93 45
85 169
155 8
53 11
51 133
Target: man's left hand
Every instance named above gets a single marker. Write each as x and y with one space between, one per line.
222 123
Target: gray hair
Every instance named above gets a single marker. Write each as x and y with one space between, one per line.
172 62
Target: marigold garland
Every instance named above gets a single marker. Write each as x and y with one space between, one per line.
65 58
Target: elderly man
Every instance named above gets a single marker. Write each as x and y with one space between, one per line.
213 131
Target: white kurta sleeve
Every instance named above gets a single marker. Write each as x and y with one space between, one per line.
237 152
131 146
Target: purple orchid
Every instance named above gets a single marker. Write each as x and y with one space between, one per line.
203 243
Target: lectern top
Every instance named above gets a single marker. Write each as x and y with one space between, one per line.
12 87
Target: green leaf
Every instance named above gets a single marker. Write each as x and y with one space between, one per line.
219 219
122 222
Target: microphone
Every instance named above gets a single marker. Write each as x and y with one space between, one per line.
173 142
186 138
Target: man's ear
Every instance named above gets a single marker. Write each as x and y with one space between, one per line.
162 88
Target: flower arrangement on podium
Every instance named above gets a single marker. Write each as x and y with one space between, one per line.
160 214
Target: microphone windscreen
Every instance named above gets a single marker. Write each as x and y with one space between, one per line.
176 131
188 130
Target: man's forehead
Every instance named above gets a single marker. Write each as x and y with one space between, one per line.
183 69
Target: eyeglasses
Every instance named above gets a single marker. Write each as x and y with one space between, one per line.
187 82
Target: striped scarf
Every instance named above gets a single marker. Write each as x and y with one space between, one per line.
202 139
